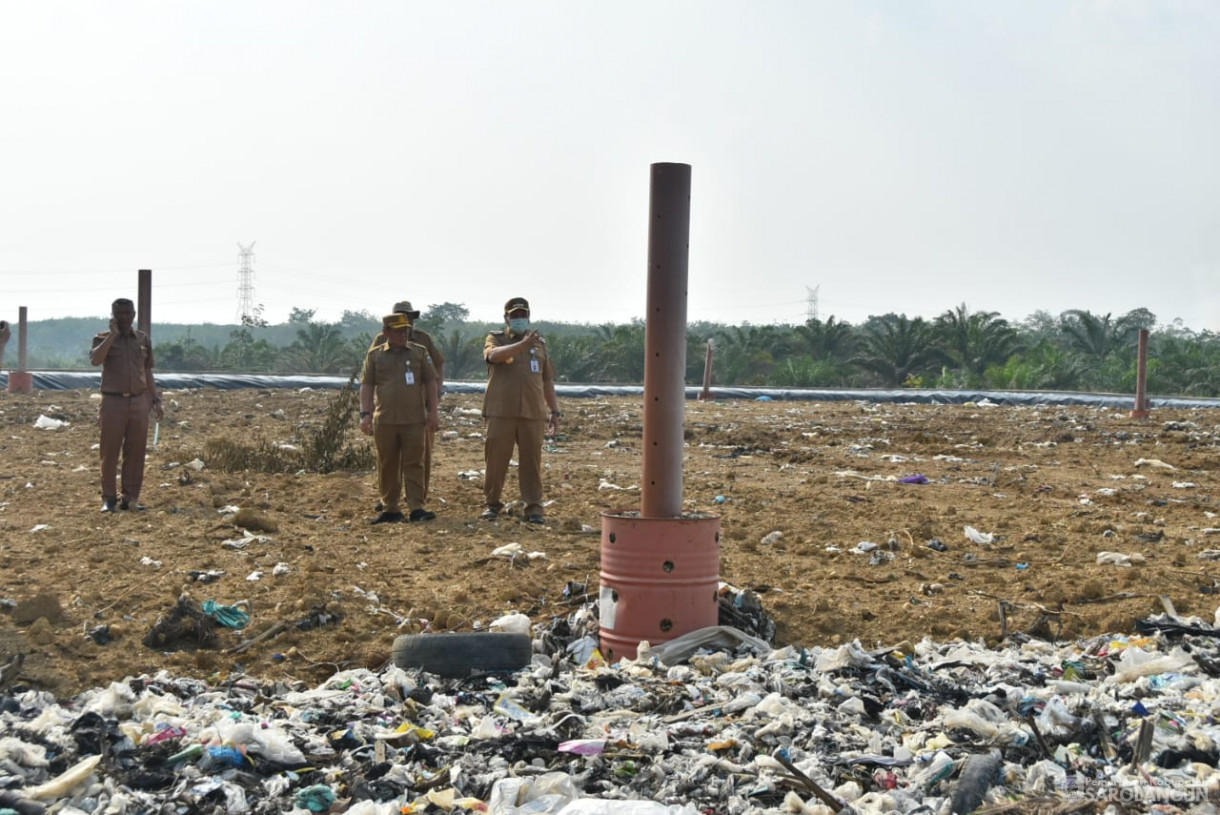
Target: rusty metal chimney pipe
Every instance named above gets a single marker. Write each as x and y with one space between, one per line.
21 339
665 340
20 380
1141 378
144 302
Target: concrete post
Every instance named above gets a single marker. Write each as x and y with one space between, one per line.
1141 378
706 393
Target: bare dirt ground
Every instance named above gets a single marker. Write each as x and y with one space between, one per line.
1055 486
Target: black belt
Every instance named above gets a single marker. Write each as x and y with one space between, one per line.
108 393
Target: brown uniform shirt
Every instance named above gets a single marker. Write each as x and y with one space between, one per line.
515 388
419 337
125 368
397 401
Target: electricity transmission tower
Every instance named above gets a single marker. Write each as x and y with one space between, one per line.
811 302
247 312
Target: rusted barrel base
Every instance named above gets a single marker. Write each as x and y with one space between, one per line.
1140 414
20 382
660 579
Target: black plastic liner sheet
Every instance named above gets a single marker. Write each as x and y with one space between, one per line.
67 380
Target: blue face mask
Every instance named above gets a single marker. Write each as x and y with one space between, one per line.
519 325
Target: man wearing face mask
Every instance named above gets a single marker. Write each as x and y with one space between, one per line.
519 407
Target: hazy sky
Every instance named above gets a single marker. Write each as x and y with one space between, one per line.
899 156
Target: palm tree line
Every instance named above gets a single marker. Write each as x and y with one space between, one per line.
1076 350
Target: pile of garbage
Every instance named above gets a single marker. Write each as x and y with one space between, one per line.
717 721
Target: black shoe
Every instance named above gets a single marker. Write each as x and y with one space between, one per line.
108 504
380 506
535 519
125 503
388 518
489 514
420 515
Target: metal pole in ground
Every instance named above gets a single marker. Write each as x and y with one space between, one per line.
706 393
1141 379
144 302
21 380
660 568
665 341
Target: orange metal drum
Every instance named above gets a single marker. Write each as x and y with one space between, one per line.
659 579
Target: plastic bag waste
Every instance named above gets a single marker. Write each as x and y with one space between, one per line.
597 806
546 793
47 423
1119 559
713 636
228 616
515 623
977 536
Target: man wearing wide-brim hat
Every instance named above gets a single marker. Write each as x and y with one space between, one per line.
421 337
398 408
519 406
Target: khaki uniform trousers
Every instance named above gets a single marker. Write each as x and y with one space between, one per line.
124 424
400 461
429 437
527 435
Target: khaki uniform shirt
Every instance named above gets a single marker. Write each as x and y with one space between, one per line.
419 337
515 387
397 400
125 368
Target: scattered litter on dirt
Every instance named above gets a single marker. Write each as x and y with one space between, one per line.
716 721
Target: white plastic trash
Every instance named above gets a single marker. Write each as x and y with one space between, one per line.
977 536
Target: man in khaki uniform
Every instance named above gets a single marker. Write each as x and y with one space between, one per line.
421 337
128 395
398 408
519 405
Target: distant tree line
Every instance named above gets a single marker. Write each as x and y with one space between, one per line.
961 348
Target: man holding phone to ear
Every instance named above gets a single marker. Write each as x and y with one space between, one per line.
129 394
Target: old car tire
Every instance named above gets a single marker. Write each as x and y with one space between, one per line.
458 655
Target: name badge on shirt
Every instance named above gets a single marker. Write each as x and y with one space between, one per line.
534 366
410 377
